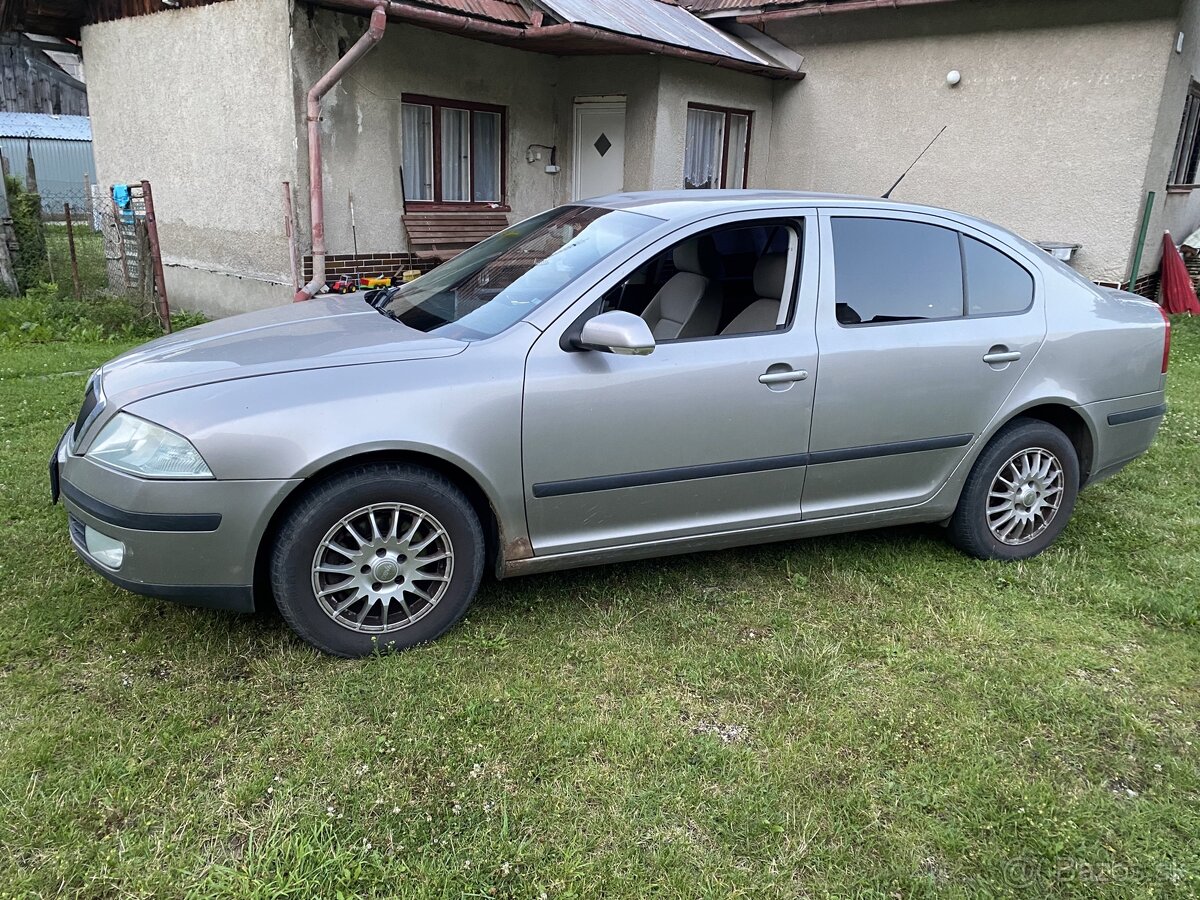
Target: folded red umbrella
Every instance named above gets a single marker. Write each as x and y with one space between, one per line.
1178 292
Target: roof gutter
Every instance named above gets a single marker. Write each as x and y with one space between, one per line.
828 7
316 188
419 15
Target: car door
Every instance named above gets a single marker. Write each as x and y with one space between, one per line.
924 328
691 439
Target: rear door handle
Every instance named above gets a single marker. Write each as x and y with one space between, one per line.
782 377
1001 355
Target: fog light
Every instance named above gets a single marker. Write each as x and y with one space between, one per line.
105 550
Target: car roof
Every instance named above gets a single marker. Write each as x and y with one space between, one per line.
686 204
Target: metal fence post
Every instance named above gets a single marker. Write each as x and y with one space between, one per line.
160 285
71 246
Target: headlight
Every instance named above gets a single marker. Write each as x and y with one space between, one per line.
143 448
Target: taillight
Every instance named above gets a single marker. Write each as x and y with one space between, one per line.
1166 339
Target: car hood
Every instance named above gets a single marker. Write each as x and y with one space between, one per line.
317 334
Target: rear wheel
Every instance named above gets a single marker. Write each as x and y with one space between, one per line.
380 557
1019 495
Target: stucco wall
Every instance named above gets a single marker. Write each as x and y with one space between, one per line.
1049 132
1176 212
687 82
363 143
360 118
198 101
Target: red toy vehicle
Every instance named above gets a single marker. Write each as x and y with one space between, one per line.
343 284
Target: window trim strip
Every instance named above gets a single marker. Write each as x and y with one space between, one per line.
547 489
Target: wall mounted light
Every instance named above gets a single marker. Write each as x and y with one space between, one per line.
953 77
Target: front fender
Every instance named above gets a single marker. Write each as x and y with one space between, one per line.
464 410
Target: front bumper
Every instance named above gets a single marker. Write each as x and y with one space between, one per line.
193 542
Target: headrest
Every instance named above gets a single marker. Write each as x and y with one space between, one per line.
690 257
770 274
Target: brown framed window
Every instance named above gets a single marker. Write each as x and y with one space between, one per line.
454 151
1187 147
717 150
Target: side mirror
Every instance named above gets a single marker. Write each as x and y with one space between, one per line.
617 332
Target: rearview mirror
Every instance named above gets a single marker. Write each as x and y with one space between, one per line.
617 332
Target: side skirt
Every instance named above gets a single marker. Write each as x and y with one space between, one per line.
723 540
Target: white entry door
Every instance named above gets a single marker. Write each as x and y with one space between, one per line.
599 147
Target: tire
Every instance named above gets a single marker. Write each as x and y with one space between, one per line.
415 572
1021 445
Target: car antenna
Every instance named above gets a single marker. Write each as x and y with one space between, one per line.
888 195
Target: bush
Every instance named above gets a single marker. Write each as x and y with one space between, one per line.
29 262
40 316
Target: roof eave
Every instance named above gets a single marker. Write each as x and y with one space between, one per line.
551 38
820 8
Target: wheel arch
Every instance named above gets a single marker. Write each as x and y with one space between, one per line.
1067 419
472 487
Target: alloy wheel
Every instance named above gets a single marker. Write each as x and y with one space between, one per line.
1025 496
382 567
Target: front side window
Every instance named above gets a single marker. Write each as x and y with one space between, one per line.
495 284
717 147
727 281
453 151
1187 146
890 270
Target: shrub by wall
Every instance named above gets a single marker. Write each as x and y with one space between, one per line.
29 262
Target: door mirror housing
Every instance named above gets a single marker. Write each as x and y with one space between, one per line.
617 332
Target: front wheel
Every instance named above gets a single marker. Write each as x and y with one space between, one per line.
380 557
1019 495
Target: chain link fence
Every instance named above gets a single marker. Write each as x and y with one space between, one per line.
111 244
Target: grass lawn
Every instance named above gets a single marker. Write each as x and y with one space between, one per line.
869 715
89 253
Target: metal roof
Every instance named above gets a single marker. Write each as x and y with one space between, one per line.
496 10
655 21
40 125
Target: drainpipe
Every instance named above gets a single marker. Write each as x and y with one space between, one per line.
316 189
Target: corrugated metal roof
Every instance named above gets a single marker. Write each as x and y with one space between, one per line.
40 125
654 21
497 10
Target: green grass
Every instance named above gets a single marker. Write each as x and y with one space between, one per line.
866 715
89 254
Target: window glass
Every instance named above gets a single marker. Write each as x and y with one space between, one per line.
995 284
456 155
715 149
417 124
739 135
1187 146
485 134
889 270
487 288
704 149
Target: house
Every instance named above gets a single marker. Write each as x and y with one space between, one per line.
1060 118
41 74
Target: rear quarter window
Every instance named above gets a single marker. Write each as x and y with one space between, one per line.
995 283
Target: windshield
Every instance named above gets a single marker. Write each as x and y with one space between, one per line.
484 290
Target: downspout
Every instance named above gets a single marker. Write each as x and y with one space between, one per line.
316 190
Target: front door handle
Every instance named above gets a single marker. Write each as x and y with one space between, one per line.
1001 354
782 377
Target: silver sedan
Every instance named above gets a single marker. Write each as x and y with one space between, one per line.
627 377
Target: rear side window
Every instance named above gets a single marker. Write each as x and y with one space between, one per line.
995 284
889 270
